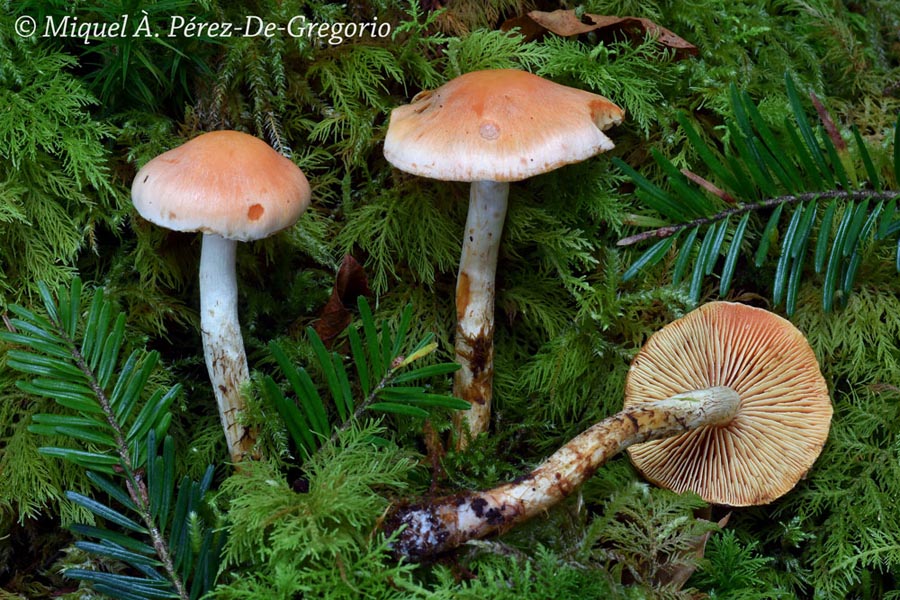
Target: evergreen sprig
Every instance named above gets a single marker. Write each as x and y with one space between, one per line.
379 359
183 534
75 358
795 177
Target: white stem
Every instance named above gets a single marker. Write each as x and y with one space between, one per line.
223 346
444 523
475 306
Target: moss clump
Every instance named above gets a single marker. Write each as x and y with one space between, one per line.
77 120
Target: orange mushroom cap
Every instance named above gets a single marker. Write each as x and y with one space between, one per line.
498 125
224 182
784 415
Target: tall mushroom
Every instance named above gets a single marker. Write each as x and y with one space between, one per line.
232 187
490 128
733 397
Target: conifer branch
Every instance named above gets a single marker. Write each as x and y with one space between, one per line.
379 360
790 199
135 484
363 406
75 356
810 168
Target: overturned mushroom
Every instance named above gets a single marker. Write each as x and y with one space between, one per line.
736 389
232 187
490 128
785 409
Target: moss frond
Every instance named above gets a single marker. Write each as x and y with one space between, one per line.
57 191
402 229
631 76
322 534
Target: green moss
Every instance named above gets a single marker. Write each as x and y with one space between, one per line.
77 121
321 541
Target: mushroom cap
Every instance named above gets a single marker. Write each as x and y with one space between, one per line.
498 125
784 413
224 182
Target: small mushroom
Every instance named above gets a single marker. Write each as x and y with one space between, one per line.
232 187
729 401
490 128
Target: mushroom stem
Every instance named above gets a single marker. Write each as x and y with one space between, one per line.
223 346
475 307
445 523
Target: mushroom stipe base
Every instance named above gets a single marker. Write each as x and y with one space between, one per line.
445 523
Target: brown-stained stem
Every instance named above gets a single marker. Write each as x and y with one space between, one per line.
669 230
435 526
475 290
223 345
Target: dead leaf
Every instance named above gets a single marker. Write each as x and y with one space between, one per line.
566 23
435 452
709 186
350 284
676 577
832 130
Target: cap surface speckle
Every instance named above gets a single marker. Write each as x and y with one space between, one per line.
223 182
498 125
784 415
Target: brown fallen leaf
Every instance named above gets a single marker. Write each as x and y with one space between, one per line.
435 452
832 130
350 284
675 577
566 23
709 186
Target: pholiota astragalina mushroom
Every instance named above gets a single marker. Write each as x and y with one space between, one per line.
232 187
727 402
490 128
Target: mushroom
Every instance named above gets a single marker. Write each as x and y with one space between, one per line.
729 401
232 187
490 128
784 415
